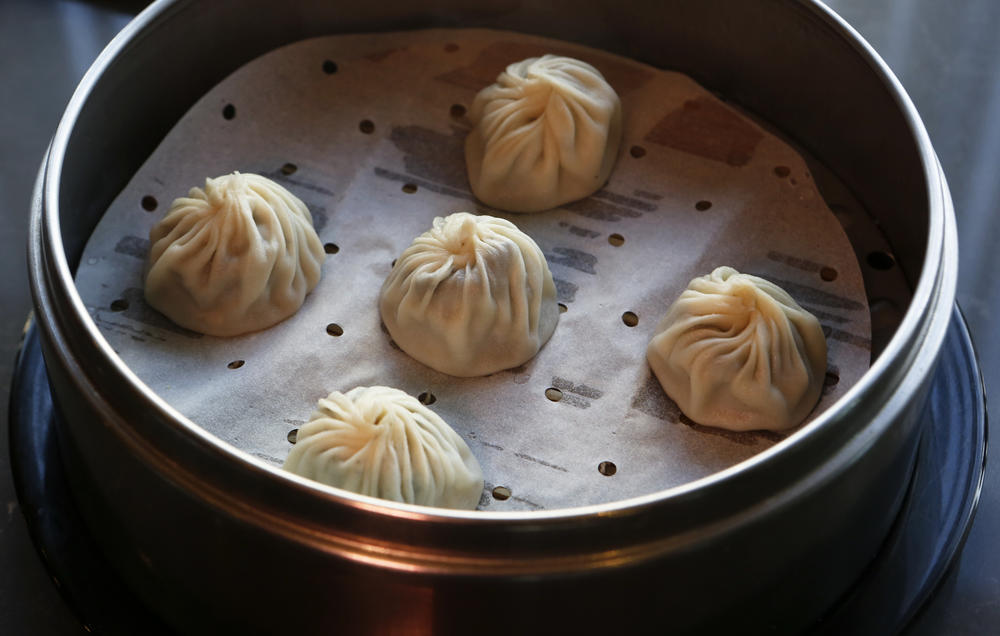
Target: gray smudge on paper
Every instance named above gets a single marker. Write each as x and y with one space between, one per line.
804 264
133 246
485 498
580 389
850 338
540 462
433 155
579 231
575 401
475 436
528 502
565 290
593 208
651 400
621 199
319 216
811 295
139 335
575 259
576 395
824 315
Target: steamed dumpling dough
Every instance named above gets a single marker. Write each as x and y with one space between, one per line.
381 442
471 296
736 351
546 133
238 256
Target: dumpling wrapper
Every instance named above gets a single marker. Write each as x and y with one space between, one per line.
471 296
238 256
382 442
737 352
546 133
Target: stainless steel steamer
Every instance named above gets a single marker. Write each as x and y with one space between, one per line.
214 540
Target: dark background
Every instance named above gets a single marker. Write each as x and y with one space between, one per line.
947 55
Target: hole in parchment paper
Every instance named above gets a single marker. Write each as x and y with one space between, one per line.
426 398
329 67
148 203
782 171
457 111
828 274
236 364
293 436
501 493
553 394
630 319
637 151
119 305
229 111
831 378
367 126
880 260
562 308
450 47
289 168
607 468
331 248
701 206
409 188
334 329
617 240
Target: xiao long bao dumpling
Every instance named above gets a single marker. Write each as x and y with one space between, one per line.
471 296
546 133
736 351
382 442
238 256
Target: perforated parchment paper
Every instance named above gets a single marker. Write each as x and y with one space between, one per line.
368 130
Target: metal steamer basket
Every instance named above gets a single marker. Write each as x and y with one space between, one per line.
214 540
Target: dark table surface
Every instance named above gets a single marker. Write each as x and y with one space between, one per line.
947 55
